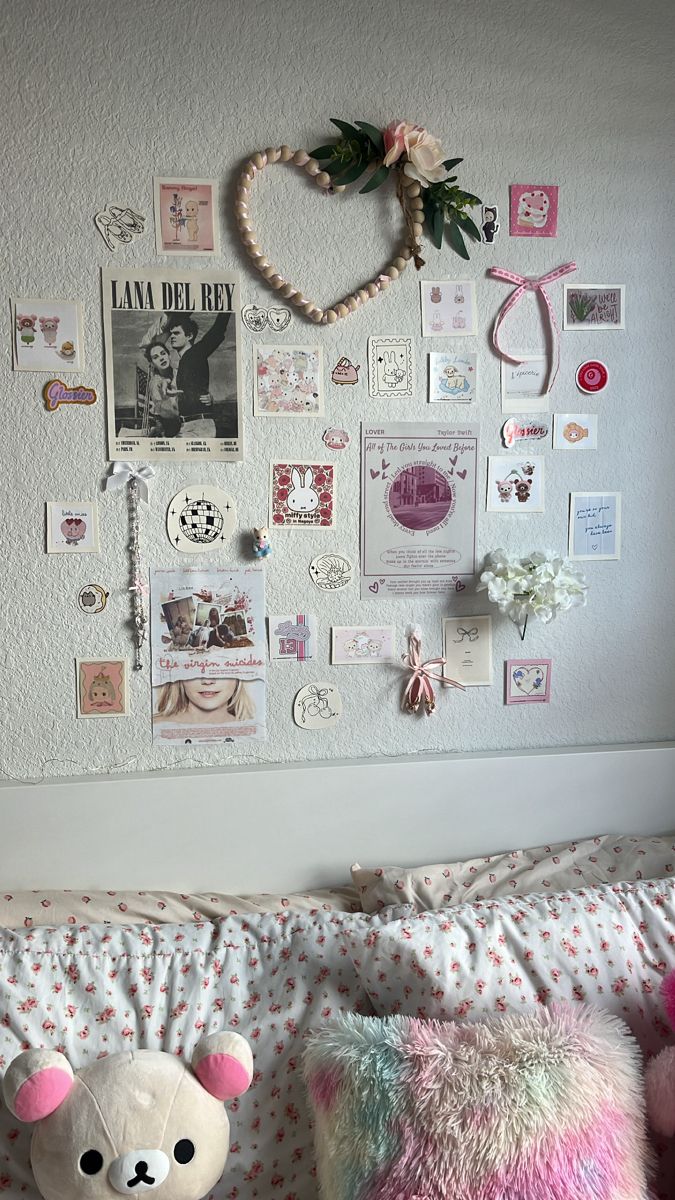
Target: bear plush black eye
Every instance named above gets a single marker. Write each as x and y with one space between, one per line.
184 1151
91 1162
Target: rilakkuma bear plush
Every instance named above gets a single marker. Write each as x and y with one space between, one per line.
131 1122
660 1073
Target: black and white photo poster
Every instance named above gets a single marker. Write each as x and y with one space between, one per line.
172 365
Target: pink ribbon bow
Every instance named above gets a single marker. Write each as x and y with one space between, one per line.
530 285
419 688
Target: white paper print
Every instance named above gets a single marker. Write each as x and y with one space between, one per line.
525 429
418 508
575 431
72 527
467 650
256 319
317 706
524 384
119 226
199 518
92 598
594 306
390 367
288 381
209 656
292 637
330 572
362 645
172 365
452 377
514 485
47 336
448 308
595 525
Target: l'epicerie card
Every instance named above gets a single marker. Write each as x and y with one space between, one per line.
418 508
72 527
287 381
448 308
528 681
292 637
47 336
595 525
575 431
515 485
102 687
361 645
302 495
524 384
390 367
467 650
452 377
186 216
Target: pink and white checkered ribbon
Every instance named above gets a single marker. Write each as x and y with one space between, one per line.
523 284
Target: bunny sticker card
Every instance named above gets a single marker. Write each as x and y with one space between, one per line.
390 367
452 377
302 495
448 308
287 381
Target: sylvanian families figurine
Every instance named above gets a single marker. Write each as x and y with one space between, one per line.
261 542
129 1123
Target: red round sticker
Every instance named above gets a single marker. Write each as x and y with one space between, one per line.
592 376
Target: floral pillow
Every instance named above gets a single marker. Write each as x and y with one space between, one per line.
543 869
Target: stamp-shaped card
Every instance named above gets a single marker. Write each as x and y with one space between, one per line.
528 681
515 485
362 645
292 637
595 525
452 377
302 495
448 308
287 381
102 687
72 527
390 367
575 431
467 650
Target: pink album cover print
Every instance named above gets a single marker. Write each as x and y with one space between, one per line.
302 495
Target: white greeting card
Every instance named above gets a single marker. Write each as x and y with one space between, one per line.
467 650
523 384
595 525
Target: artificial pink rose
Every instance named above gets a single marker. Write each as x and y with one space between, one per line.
425 157
394 140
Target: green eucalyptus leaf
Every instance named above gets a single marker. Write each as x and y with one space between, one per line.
456 240
357 168
436 228
323 152
469 226
472 200
338 166
374 134
348 130
452 162
377 178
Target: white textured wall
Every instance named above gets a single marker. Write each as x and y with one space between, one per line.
98 98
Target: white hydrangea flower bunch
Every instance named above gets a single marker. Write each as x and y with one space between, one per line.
541 584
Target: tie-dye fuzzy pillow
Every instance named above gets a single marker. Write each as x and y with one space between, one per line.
542 1105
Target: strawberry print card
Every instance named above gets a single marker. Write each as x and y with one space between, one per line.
528 681
302 495
533 210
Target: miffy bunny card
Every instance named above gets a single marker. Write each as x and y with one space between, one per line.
302 495
448 307
390 366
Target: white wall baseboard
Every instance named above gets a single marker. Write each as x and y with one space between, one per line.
249 829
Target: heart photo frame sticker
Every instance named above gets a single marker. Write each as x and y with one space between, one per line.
528 681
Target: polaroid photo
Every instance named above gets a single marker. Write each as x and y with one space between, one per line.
47 336
186 216
448 308
467 650
452 377
524 384
575 431
595 525
102 687
390 367
362 645
515 485
72 527
528 681
594 306
287 381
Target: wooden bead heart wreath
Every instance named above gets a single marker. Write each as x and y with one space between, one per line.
424 191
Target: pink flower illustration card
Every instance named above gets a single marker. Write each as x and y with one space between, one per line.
302 495
533 210
528 681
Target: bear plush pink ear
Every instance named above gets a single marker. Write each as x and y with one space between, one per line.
668 993
36 1083
223 1064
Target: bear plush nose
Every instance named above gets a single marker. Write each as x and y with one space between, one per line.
138 1171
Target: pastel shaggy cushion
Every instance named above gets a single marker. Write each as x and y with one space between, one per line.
543 1105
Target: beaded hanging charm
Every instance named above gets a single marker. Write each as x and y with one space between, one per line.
419 689
136 481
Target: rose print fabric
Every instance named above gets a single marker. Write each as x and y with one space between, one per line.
606 859
93 990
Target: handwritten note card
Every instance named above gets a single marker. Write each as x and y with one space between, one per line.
595 525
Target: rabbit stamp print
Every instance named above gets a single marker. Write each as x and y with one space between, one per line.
302 494
390 366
